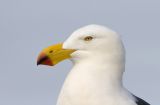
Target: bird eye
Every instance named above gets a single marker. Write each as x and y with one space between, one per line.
88 38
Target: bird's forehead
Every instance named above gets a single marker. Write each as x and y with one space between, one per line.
94 30
82 32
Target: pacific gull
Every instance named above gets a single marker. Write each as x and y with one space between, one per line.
98 57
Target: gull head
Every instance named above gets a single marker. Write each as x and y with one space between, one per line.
92 41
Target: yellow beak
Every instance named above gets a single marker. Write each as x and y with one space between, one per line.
53 55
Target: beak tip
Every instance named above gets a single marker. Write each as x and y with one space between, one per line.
44 60
37 64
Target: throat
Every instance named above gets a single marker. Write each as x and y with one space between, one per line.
91 76
94 81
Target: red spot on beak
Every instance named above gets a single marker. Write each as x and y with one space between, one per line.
43 59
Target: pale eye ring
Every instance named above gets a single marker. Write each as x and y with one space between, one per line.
88 38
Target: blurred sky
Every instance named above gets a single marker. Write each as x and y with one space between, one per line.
27 26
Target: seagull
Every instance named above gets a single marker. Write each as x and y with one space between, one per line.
98 57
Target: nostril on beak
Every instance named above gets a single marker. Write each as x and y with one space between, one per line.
51 51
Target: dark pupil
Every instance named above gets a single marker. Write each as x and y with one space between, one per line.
88 38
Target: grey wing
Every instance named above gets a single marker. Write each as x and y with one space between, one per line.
140 101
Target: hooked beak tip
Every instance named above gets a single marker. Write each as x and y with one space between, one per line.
44 60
